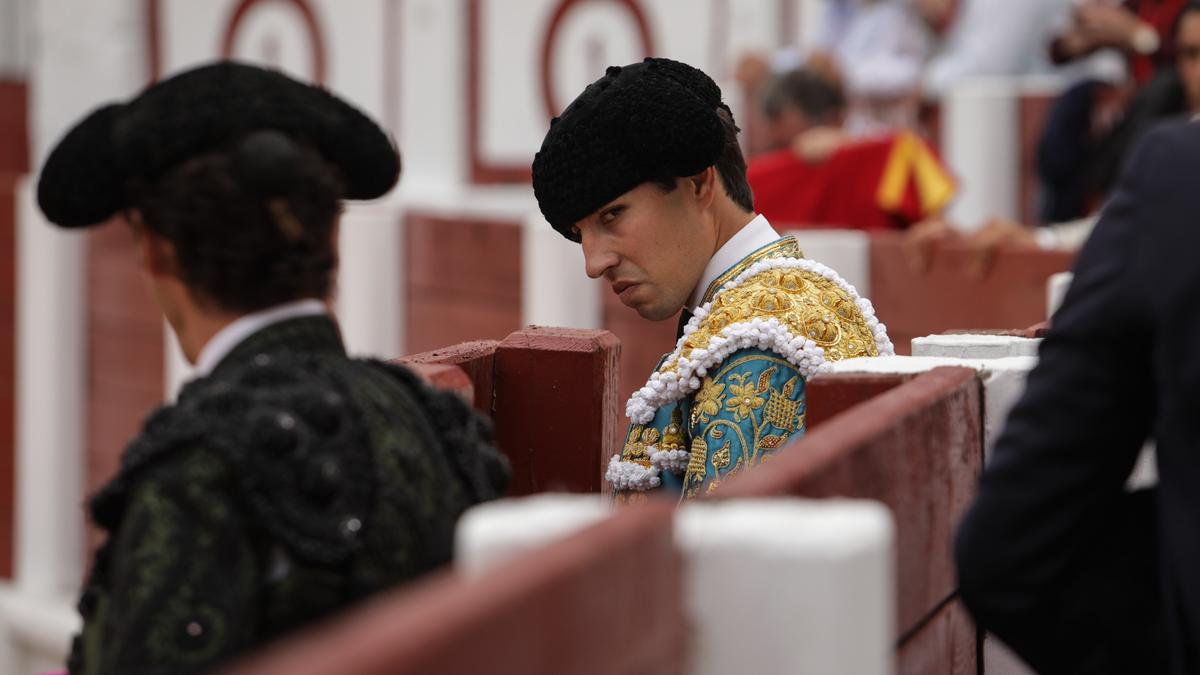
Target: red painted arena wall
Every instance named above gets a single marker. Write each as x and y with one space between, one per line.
14 161
916 447
948 296
464 280
125 351
550 611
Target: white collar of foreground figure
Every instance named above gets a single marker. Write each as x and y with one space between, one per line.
753 236
232 335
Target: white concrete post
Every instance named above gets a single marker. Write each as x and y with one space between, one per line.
848 252
492 533
51 402
1056 290
981 144
772 586
555 289
83 54
370 292
787 586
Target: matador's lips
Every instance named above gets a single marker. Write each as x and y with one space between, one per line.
624 288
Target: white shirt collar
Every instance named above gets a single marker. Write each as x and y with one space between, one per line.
232 335
756 234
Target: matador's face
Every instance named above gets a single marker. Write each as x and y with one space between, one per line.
650 245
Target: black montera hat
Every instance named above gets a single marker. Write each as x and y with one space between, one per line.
648 120
86 177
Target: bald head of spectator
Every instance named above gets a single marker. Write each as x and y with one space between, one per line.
800 100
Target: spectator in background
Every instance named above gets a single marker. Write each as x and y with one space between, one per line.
822 177
1092 126
1072 234
803 104
980 38
1142 29
874 48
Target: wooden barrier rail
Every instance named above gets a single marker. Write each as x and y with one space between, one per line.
912 442
606 601
947 297
917 448
552 394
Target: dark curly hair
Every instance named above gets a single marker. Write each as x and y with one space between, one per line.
731 166
251 222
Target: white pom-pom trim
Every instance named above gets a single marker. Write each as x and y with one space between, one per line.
882 343
625 475
675 461
766 334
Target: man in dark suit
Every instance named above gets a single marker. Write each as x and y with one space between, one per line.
1056 556
289 480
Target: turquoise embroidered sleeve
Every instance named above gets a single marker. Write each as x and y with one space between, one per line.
747 408
665 433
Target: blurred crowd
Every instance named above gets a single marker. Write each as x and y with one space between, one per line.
862 103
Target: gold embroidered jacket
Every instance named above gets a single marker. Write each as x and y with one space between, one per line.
733 392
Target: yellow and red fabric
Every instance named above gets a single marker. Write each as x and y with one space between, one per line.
878 184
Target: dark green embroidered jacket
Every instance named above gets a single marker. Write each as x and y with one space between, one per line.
291 482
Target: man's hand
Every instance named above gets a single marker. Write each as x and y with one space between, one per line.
922 239
998 233
921 242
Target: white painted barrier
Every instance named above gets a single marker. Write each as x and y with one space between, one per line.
1056 290
772 586
1003 381
787 586
555 290
492 533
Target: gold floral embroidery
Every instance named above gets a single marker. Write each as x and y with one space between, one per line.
635 448
720 479
760 418
744 398
771 442
722 457
708 401
697 461
650 436
673 438
806 302
781 412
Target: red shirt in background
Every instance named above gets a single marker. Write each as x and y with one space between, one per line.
886 183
